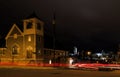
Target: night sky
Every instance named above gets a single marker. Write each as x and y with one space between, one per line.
87 24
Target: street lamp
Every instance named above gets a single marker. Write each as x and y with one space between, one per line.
88 53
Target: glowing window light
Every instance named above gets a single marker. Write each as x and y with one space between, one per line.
29 38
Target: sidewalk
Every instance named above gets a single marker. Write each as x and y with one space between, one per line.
28 67
33 66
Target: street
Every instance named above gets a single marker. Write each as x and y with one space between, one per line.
20 72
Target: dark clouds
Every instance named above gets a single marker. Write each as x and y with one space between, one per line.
85 23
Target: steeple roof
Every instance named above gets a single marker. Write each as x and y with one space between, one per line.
33 15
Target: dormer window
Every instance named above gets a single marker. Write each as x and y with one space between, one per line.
29 25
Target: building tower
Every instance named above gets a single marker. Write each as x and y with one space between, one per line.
33 38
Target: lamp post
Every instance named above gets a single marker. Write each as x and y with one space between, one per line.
89 55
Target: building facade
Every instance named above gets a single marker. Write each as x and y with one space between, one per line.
27 45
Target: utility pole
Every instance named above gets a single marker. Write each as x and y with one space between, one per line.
54 34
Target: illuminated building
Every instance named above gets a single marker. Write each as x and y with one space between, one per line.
27 44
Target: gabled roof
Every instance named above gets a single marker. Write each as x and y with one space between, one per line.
14 28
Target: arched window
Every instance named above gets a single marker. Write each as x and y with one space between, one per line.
15 50
29 52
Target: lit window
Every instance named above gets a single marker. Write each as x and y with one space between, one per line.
29 38
15 36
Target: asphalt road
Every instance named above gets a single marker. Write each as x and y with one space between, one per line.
18 72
